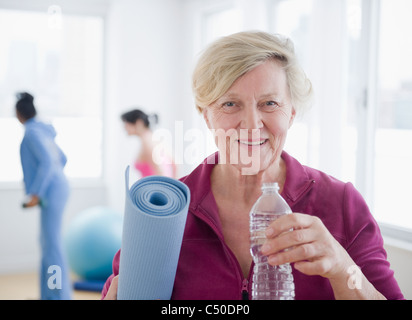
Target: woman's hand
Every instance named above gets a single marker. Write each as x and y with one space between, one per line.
310 245
315 251
34 201
112 292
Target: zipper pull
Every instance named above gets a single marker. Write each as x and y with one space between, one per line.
245 291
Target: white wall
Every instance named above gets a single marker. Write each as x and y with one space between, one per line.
145 45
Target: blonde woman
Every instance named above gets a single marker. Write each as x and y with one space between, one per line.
249 88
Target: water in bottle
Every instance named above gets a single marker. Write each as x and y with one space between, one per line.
269 282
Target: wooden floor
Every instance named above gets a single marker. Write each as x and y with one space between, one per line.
26 287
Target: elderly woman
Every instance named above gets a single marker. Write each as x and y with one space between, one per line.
249 88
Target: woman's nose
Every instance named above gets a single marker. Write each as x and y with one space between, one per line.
251 118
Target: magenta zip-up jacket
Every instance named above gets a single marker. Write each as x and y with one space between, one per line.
208 269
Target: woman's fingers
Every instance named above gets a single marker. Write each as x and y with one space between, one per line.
34 201
289 222
288 239
304 240
290 230
303 252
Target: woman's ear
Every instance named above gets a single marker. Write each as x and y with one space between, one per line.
19 117
206 117
292 117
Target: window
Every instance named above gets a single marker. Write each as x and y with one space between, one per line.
393 135
325 137
221 23
57 58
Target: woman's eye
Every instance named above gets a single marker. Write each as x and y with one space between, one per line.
269 105
229 107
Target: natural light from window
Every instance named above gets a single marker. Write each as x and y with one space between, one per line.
393 138
58 59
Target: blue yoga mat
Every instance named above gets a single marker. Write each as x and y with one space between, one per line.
154 221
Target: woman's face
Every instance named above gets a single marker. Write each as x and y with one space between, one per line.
250 121
19 117
134 129
130 128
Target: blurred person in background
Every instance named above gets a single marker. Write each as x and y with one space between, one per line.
46 186
138 123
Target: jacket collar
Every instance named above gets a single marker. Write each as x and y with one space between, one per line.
298 182
199 180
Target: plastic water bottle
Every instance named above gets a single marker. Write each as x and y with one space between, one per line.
269 282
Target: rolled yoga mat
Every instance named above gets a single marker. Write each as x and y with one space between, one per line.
153 225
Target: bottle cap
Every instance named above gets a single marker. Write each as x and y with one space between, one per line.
270 185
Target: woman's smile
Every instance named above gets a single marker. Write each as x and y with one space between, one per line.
252 143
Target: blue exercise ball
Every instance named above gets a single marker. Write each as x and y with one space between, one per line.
91 241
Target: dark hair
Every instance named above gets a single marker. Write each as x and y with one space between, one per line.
136 114
25 106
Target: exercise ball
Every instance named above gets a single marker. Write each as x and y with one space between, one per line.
91 241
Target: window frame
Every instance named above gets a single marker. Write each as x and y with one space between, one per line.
371 12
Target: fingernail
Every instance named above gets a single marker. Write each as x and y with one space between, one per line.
265 248
269 232
273 260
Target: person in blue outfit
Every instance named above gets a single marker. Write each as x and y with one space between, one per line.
46 186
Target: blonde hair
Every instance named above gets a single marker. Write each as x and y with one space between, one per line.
228 58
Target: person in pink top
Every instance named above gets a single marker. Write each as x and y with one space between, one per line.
249 87
138 123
